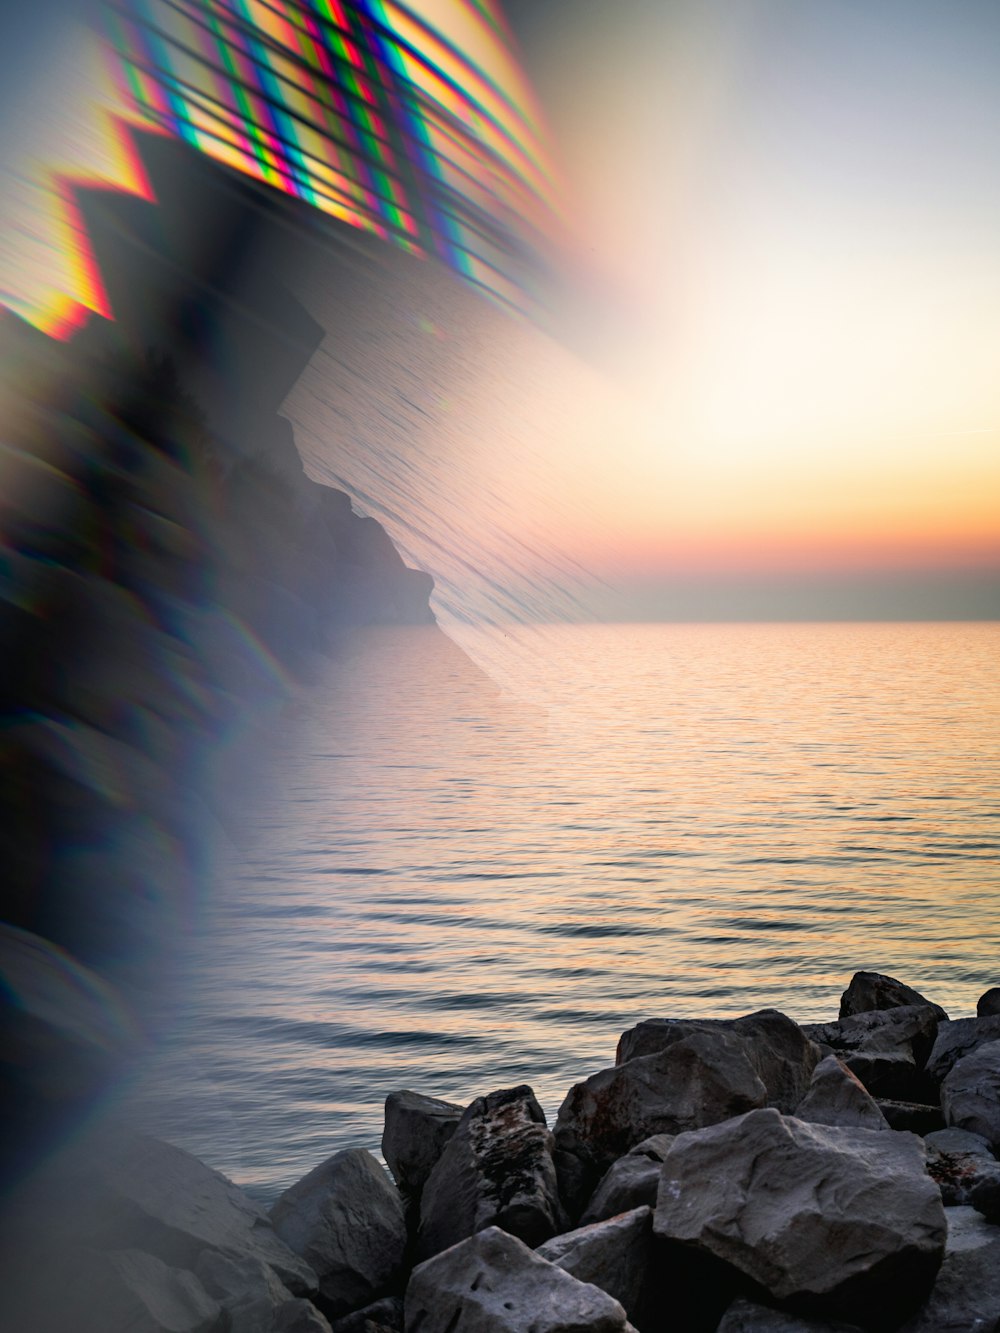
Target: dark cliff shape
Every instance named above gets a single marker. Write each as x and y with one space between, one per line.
167 570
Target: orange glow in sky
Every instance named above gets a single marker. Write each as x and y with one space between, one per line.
797 207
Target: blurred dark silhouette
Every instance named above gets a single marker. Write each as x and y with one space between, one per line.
169 572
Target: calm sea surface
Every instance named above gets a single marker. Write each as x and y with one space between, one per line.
448 889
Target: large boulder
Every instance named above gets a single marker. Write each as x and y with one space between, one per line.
138 1192
988 1003
957 1039
966 1294
886 1048
701 1079
417 1129
496 1170
873 990
492 1283
745 1316
780 1053
838 1097
833 1221
253 1298
912 1028
92 1291
345 1218
970 1095
613 1255
631 1182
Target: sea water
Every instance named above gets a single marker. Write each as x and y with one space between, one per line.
451 887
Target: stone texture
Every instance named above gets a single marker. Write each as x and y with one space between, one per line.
843 1222
988 1003
146 1194
886 1074
613 1255
958 1141
912 1028
345 1218
655 1148
90 1291
699 1080
957 1039
886 1048
836 1096
781 1055
496 1170
253 1297
745 1316
959 1162
985 1196
384 1316
970 1095
913 1117
417 1128
492 1283
873 990
294 1316
966 1294
631 1182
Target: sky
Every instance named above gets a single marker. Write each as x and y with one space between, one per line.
785 288
798 206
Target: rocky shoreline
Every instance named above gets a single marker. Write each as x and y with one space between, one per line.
750 1175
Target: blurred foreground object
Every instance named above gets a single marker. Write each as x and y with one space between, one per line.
168 574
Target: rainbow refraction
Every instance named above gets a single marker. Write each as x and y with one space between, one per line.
411 121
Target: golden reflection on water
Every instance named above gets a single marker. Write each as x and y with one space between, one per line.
450 889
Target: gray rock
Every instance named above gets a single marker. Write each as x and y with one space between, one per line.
886 1074
886 1048
966 1294
232 1281
959 1162
745 1316
295 1316
836 1096
417 1128
958 1141
253 1298
913 1117
912 1028
384 1316
701 1079
989 1003
497 1170
492 1283
655 1148
970 1095
613 1255
845 1222
345 1218
985 1196
143 1193
91 1291
957 1039
631 1182
781 1055
872 990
